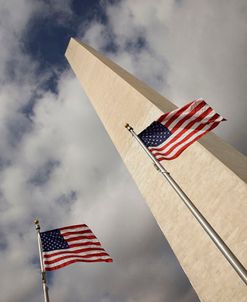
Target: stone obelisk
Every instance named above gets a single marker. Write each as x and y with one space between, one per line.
212 173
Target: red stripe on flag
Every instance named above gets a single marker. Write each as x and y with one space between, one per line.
77 233
84 244
188 116
55 257
183 130
80 238
49 262
73 252
163 117
74 227
73 261
186 124
186 138
187 145
176 115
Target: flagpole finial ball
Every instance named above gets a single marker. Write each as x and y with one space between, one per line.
128 127
36 221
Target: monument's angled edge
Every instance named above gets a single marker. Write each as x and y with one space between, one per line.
228 155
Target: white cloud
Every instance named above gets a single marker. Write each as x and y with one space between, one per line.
193 49
59 164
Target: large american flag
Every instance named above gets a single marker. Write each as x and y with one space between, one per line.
75 243
174 131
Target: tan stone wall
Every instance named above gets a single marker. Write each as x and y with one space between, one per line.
212 173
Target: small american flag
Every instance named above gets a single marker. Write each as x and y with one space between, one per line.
174 131
75 243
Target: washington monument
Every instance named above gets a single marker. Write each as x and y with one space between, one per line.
211 172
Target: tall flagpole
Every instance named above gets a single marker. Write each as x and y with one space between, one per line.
43 274
232 259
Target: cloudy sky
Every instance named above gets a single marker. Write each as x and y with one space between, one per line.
53 168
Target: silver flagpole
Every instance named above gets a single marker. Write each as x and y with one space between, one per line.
232 259
43 274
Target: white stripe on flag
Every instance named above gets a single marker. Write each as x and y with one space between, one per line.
181 129
167 145
78 241
185 113
78 229
180 146
54 257
76 259
83 246
74 249
89 233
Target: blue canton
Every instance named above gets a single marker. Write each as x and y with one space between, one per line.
154 135
53 240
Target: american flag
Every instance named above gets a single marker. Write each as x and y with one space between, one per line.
174 131
75 243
